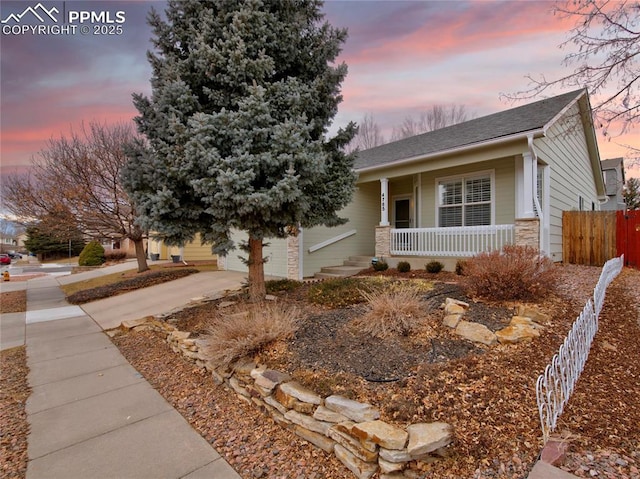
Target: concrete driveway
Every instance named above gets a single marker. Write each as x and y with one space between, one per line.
163 298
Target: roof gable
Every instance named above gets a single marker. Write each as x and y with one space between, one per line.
519 120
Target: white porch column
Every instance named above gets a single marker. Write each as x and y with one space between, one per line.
384 202
525 178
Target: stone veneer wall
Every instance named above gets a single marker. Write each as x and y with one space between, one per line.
349 429
528 232
293 258
383 241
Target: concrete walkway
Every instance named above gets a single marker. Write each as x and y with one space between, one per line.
91 414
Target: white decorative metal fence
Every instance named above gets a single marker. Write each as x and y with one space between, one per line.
555 386
458 241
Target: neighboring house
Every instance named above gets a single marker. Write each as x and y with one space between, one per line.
193 251
451 193
613 171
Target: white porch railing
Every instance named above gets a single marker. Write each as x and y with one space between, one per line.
455 241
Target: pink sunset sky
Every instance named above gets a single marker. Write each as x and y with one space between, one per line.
403 57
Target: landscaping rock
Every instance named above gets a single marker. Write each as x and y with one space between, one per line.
318 440
476 332
352 444
324 414
308 422
452 320
427 437
534 313
362 469
381 433
357 411
269 379
295 390
387 467
393 455
132 323
520 328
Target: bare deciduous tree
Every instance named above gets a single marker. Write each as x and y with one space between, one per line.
605 51
80 173
369 135
436 117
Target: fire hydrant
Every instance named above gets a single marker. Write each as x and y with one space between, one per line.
5 276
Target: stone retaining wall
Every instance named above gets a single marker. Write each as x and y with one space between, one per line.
349 429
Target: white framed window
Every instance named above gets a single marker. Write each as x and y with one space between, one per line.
466 200
539 189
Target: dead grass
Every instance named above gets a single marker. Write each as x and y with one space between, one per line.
247 332
397 311
114 278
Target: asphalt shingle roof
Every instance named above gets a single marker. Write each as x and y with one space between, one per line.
521 119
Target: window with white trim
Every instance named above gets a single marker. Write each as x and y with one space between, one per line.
464 201
540 189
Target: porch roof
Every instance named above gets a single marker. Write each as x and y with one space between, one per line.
519 120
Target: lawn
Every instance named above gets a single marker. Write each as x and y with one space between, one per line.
118 283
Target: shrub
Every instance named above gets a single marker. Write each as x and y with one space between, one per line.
380 265
434 267
460 266
248 332
515 273
115 255
391 312
404 267
92 255
277 285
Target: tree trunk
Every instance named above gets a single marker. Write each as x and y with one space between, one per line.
141 256
257 290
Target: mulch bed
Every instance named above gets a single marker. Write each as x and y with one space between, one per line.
14 391
487 395
13 301
132 283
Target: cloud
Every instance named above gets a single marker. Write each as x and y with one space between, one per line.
50 83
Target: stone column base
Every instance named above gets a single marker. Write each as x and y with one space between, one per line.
383 241
293 257
528 232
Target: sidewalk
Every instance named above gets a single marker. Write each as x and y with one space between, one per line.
91 414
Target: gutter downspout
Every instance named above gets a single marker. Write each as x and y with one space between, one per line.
534 189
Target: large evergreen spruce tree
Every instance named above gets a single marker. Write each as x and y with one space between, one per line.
243 94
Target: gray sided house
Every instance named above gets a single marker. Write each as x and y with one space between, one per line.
613 171
448 194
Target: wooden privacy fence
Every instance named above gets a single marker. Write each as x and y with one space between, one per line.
594 237
588 237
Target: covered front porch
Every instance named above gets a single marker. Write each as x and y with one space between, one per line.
458 212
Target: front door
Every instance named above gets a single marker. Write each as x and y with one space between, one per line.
402 209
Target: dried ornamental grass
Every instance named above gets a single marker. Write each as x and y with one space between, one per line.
246 333
396 311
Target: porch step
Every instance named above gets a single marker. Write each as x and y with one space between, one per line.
362 261
351 267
